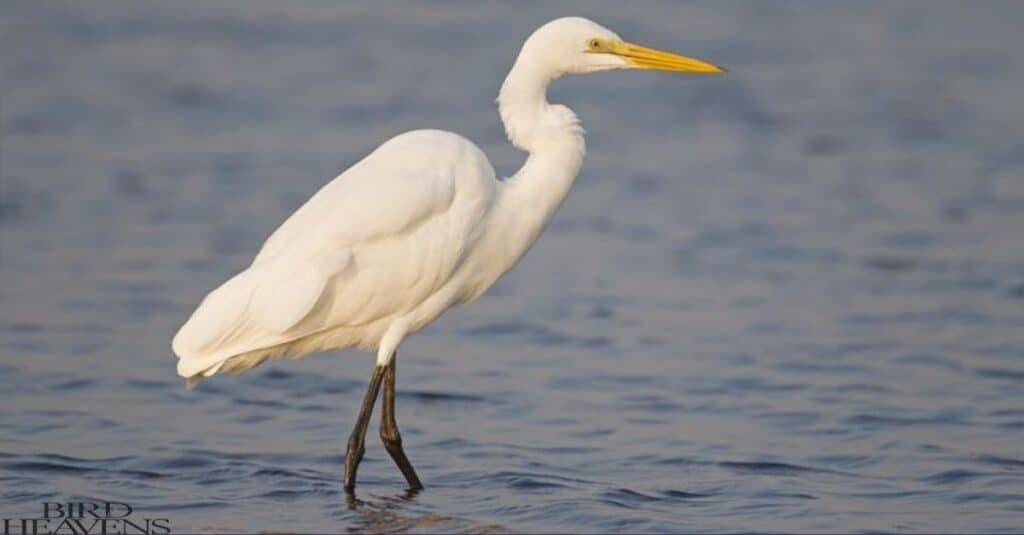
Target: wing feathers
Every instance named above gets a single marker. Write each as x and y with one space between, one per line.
356 225
283 299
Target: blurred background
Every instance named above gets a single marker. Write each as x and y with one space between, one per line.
786 299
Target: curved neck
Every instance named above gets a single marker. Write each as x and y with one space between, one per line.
552 136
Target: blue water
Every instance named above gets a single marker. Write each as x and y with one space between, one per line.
786 299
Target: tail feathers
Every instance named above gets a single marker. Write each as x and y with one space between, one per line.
192 380
195 370
210 336
212 324
200 368
247 319
260 307
251 311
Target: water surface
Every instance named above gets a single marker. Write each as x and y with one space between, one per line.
787 299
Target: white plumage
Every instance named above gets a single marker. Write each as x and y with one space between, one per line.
419 225
376 249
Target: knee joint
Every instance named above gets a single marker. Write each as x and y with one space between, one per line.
390 437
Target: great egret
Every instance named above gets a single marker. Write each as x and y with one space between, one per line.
418 226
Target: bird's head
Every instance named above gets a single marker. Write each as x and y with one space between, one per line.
575 45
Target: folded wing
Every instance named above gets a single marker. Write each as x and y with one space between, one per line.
382 235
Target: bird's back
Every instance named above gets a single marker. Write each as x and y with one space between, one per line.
371 246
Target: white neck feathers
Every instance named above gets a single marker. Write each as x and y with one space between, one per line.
553 137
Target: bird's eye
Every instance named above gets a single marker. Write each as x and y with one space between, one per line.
594 44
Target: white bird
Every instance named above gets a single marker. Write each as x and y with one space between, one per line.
418 226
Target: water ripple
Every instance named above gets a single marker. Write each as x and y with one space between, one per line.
783 300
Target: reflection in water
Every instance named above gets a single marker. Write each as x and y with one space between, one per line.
389 515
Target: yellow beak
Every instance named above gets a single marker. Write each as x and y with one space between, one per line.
641 57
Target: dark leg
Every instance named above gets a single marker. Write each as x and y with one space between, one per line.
389 429
357 441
